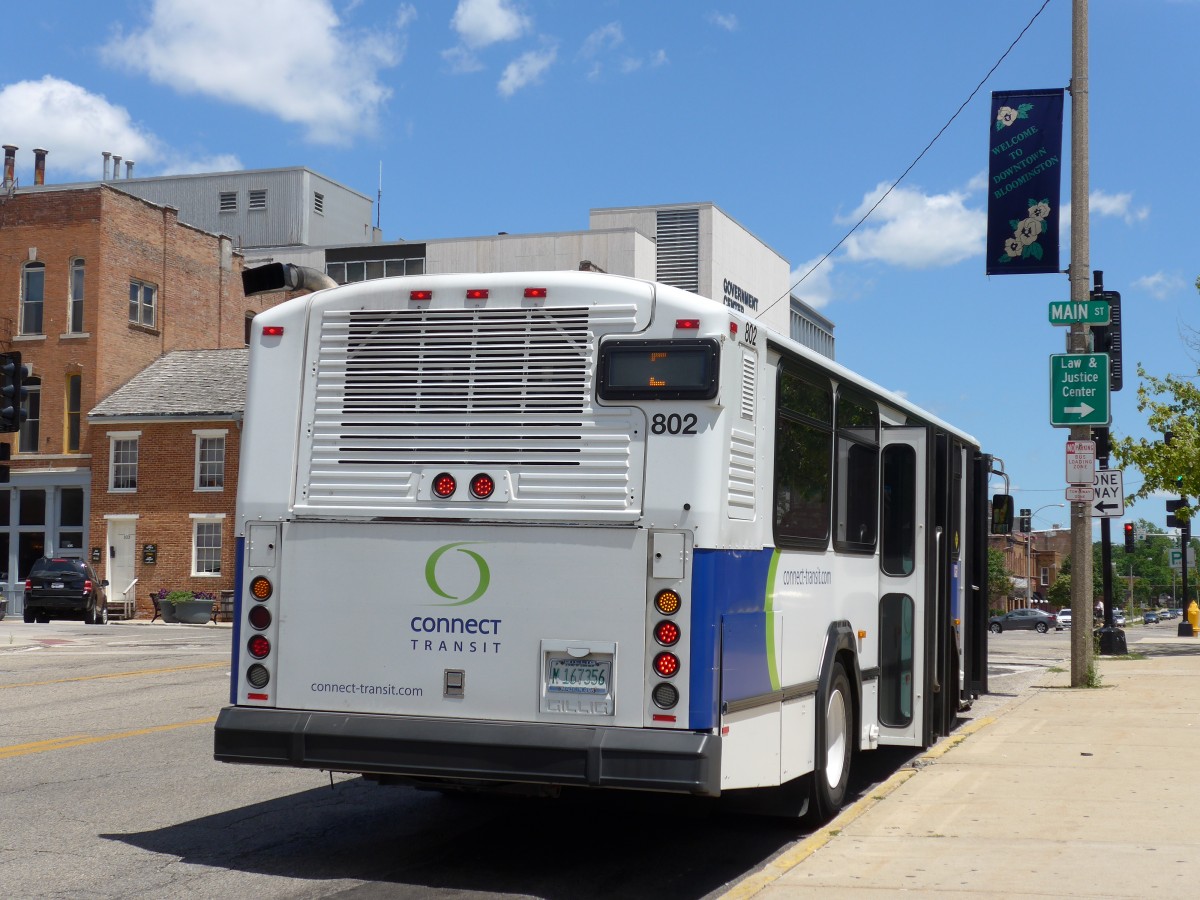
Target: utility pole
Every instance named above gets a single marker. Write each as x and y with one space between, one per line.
1077 341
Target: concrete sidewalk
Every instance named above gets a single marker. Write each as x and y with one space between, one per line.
1062 793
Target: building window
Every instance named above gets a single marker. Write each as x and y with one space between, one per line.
246 327
33 294
31 428
258 199
143 304
318 203
347 272
73 404
75 304
228 201
123 462
206 545
210 461
1045 576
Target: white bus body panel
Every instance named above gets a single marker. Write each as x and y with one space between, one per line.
363 629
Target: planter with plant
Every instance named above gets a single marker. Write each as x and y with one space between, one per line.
187 607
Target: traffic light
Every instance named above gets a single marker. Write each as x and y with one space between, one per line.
1173 506
12 392
1026 521
1129 537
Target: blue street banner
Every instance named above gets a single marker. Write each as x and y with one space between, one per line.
1024 167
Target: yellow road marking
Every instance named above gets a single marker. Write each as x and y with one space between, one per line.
211 665
81 740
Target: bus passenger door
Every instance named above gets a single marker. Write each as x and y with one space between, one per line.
904 579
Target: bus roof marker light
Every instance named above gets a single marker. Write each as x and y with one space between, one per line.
687 324
535 293
477 294
272 331
420 295
733 329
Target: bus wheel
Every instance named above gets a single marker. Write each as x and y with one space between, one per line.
834 745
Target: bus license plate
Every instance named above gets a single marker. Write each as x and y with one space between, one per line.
578 676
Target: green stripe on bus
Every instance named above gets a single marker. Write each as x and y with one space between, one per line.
769 611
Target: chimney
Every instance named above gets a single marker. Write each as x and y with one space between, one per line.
129 168
116 167
10 164
107 156
39 166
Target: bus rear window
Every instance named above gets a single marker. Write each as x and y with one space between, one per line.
658 370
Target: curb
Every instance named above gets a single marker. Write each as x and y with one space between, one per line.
790 859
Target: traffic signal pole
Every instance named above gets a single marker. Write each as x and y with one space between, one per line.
1077 342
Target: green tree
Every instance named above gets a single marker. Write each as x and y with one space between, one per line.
999 581
1173 404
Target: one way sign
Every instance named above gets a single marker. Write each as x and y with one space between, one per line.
1108 490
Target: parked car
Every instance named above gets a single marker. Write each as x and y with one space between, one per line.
1024 618
1064 617
1150 618
65 588
1118 617
1164 614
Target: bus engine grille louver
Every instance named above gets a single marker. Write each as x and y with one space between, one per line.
400 391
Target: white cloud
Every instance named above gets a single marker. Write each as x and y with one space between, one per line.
1161 285
658 58
483 22
1117 205
728 21
916 230
461 61
405 15
289 58
526 69
608 37
817 289
74 125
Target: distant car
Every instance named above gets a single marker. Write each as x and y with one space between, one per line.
1150 618
1164 614
1118 617
1029 619
65 588
1064 617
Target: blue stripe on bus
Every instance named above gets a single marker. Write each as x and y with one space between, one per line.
727 585
239 550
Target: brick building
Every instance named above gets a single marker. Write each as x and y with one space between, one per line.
165 450
1033 559
99 285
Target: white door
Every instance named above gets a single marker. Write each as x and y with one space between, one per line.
903 577
122 544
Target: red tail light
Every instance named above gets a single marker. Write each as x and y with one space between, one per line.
482 486
258 646
28 584
666 633
666 664
444 485
87 585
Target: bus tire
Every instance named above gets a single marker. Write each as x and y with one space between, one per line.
835 743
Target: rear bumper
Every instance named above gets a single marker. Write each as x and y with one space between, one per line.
567 755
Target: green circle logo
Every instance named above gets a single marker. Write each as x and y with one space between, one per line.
485 575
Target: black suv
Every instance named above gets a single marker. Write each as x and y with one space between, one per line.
63 588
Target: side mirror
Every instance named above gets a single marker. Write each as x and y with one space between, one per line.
1002 514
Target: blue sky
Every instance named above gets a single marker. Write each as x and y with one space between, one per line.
520 115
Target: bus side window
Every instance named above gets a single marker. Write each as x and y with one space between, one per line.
857 473
898 535
803 461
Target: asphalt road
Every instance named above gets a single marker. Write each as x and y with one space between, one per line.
109 789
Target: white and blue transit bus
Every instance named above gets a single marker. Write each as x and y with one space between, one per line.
565 529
